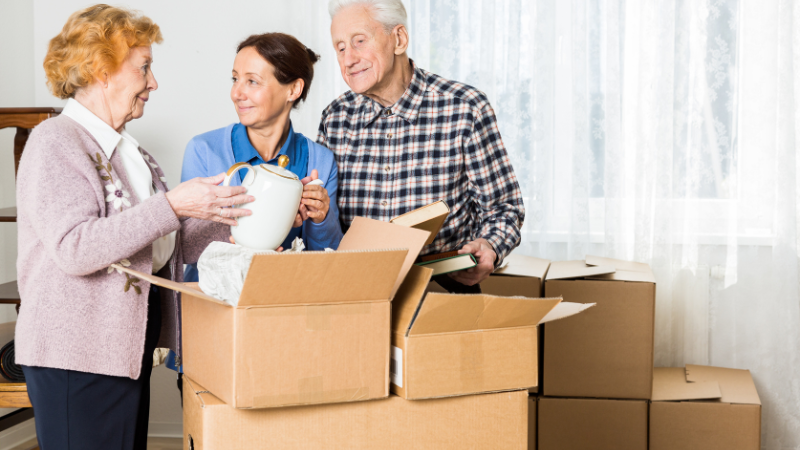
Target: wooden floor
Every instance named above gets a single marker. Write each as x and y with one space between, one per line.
152 444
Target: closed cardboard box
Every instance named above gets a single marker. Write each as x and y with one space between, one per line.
592 424
519 275
607 352
445 344
704 408
477 422
309 328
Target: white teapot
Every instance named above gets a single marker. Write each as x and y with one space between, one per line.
277 193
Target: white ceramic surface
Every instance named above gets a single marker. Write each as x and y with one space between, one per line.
277 193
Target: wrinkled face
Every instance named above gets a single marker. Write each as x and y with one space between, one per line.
258 97
364 51
129 87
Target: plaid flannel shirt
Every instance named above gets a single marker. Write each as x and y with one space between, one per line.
440 141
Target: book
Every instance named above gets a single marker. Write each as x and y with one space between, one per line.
429 218
437 256
451 264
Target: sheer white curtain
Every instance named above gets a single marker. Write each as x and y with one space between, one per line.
662 131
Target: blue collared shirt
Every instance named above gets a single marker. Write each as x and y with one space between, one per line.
295 149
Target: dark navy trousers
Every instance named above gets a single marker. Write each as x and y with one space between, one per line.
78 410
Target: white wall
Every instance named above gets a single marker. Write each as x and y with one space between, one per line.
192 67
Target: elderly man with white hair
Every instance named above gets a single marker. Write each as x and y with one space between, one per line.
404 138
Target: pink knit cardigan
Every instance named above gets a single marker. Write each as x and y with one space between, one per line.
76 215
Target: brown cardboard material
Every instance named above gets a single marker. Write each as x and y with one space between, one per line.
445 345
701 407
608 351
429 218
490 421
310 327
520 275
596 424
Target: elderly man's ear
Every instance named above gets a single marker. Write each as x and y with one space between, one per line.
400 39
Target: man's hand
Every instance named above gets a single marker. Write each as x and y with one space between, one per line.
484 254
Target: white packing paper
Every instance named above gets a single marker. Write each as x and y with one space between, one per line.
223 267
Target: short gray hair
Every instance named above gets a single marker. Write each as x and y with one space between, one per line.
388 13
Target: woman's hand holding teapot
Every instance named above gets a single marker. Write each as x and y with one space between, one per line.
315 202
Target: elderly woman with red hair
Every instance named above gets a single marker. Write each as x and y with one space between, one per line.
88 196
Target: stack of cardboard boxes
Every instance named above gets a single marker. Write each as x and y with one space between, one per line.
598 387
307 357
318 340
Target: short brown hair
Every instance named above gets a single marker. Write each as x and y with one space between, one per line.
291 59
94 41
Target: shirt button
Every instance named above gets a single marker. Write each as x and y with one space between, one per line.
387 168
389 136
387 111
384 203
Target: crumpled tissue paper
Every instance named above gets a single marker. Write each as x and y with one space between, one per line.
223 267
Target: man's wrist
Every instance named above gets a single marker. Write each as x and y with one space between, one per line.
494 243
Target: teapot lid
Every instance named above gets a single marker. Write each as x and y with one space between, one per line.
280 170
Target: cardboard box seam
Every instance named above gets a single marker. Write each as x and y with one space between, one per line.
486 330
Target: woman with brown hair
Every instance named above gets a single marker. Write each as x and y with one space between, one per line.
88 196
271 75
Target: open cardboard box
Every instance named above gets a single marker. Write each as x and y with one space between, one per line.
702 407
310 327
606 352
445 344
476 422
596 424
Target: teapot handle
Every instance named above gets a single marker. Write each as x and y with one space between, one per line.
235 168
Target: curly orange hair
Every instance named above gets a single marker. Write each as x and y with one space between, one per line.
94 42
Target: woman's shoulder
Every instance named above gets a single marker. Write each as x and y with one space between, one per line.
213 138
61 132
318 151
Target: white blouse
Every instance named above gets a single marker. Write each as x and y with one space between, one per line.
133 163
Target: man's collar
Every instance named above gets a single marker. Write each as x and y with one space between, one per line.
407 107
107 137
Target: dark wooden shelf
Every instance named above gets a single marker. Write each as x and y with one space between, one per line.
44 110
9 293
8 214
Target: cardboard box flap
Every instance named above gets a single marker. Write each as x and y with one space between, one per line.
409 297
564 310
169 284
669 384
523 266
560 270
321 277
206 398
368 234
449 313
624 270
429 218
736 385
